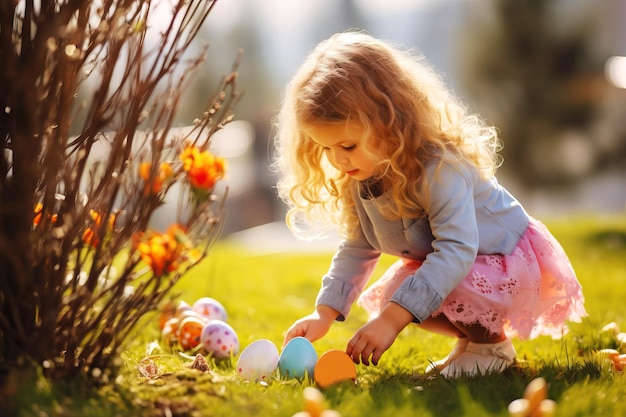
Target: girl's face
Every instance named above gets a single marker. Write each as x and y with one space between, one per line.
344 146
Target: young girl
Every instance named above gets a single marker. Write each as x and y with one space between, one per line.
369 139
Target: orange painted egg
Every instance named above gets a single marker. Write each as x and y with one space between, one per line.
535 392
332 367
190 332
167 312
610 354
169 333
620 362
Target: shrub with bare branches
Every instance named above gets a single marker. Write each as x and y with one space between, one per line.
87 103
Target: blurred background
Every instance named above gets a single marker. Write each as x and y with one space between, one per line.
550 74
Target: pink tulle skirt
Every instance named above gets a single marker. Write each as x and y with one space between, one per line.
531 292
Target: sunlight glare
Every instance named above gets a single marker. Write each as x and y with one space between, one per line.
615 71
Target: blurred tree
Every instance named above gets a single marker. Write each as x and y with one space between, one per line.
541 83
79 266
258 203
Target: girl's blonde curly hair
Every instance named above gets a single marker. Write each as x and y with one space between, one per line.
409 117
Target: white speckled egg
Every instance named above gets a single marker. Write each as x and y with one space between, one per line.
170 331
210 308
219 339
258 361
182 306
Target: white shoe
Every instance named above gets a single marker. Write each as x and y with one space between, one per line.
458 348
481 358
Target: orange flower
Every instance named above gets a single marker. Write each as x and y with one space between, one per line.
203 168
38 211
90 236
156 252
162 252
165 171
95 217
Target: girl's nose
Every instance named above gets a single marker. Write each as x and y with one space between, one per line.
340 158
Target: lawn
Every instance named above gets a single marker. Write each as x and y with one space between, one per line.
264 294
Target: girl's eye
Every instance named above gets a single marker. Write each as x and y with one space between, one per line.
349 148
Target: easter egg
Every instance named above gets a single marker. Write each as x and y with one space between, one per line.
519 408
219 339
313 401
191 313
332 367
258 361
297 359
190 332
535 392
610 354
169 333
210 308
167 312
182 306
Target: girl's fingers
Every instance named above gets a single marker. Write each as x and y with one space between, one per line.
356 349
376 356
293 332
365 354
351 344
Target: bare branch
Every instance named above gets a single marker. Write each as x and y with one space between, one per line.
75 236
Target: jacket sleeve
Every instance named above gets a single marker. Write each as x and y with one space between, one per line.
350 269
452 220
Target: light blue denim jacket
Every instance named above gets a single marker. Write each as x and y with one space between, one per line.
467 216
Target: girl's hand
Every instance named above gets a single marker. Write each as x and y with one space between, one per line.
375 337
312 326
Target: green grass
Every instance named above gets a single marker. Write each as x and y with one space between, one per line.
265 294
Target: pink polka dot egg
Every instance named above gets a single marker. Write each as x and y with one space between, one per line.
219 339
210 308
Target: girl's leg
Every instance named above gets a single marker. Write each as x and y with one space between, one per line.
478 334
441 325
485 352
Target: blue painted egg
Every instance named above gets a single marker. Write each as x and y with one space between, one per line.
297 359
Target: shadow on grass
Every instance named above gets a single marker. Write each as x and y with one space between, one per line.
487 395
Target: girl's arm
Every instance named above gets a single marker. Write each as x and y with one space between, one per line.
314 326
453 223
350 269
